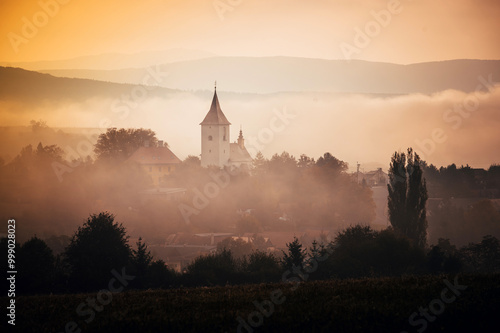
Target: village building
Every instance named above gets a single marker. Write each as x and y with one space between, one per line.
158 161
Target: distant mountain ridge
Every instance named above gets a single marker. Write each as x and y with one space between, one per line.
109 61
286 74
29 87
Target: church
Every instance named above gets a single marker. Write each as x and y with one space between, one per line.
216 147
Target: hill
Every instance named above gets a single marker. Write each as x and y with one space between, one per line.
28 87
363 305
108 61
279 74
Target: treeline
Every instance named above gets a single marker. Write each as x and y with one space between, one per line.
464 202
282 193
52 191
99 255
463 181
356 252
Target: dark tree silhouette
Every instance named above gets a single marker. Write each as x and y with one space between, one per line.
407 197
36 266
98 247
262 267
159 275
482 257
142 260
119 144
213 269
295 256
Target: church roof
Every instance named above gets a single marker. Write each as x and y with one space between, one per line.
215 116
237 154
154 155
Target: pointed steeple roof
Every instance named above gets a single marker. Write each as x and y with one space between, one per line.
215 116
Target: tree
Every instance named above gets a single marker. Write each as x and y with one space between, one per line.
482 257
119 144
407 197
354 235
261 267
142 259
36 263
50 153
305 161
443 257
159 275
98 247
330 161
295 256
259 164
213 269
192 161
284 164
237 247
37 126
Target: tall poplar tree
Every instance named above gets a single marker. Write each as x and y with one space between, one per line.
408 197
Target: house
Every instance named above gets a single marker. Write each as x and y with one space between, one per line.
158 161
373 178
216 149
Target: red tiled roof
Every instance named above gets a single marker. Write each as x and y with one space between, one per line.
154 155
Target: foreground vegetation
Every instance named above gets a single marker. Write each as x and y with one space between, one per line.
353 305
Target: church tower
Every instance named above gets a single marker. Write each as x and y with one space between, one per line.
215 149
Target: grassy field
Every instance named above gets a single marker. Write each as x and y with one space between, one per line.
362 305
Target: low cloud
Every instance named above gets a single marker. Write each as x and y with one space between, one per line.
446 127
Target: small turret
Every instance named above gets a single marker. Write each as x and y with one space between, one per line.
241 141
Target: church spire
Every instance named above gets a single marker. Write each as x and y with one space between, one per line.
215 116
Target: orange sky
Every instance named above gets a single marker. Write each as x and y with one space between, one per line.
422 30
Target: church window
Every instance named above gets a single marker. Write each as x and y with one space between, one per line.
224 137
210 138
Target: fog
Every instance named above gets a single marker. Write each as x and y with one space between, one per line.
353 128
444 128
